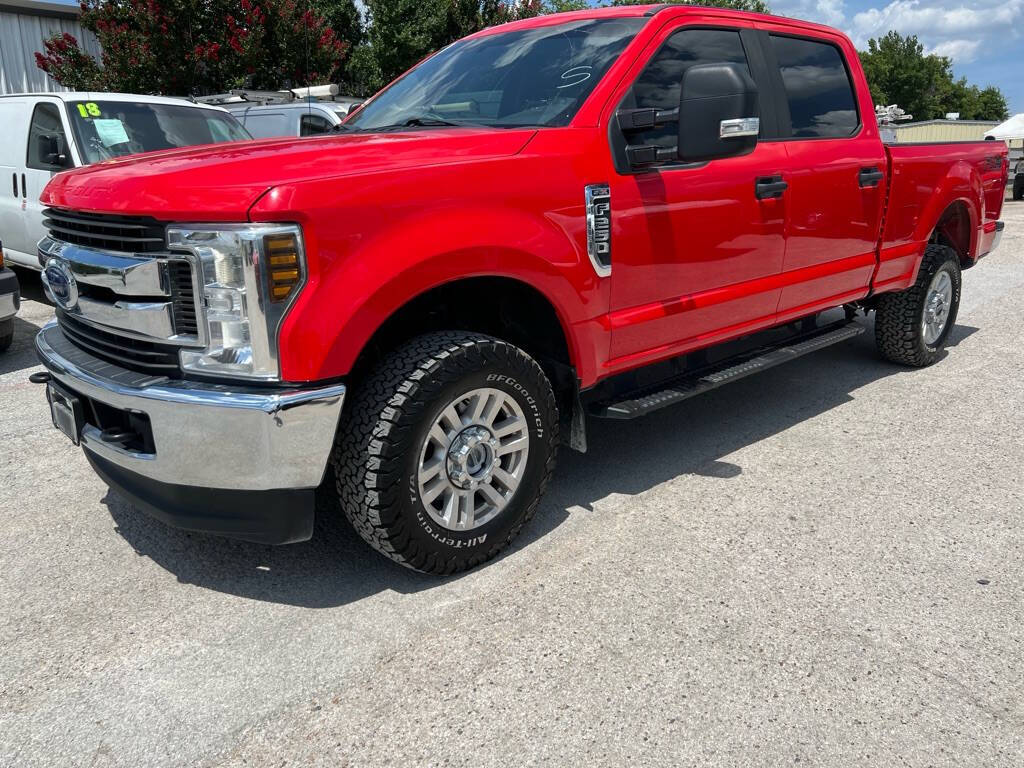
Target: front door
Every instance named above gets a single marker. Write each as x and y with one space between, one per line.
45 124
697 253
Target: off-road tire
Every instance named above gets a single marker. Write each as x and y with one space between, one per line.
898 332
385 422
6 334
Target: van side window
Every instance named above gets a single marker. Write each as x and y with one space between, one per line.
46 134
311 125
658 85
818 88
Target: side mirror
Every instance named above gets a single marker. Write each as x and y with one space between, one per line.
51 150
719 113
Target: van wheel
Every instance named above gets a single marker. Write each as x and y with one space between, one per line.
6 333
911 327
445 450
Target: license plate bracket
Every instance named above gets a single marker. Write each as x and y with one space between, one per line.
67 411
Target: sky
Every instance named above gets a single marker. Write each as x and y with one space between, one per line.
984 38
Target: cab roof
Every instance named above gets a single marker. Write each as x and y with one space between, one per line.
655 9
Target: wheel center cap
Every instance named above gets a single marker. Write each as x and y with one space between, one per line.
471 457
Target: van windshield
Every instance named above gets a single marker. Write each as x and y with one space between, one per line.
106 129
537 76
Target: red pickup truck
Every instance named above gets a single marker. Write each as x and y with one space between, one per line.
593 214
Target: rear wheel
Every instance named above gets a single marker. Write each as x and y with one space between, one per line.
446 449
911 327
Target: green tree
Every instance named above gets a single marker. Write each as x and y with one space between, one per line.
205 46
899 72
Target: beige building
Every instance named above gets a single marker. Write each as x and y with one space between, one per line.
940 130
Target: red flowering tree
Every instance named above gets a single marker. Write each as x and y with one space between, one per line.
205 46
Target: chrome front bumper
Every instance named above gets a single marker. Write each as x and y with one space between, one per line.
205 435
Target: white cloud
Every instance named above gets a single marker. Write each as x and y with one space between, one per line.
957 50
959 29
831 12
949 28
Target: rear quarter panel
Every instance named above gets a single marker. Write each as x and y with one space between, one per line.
925 180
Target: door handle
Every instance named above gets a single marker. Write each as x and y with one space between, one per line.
769 187
24 186
869 177
14 183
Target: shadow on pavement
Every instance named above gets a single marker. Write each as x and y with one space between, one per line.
22 353
336 567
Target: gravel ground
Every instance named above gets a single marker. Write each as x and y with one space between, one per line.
820 564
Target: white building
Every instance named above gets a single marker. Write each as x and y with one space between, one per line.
24 25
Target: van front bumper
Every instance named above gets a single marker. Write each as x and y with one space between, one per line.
10 297
231 460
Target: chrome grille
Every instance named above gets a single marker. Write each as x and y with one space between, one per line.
135 310
126 234
134 354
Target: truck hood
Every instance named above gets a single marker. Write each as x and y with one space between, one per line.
220 182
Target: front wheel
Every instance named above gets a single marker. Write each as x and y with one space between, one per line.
911 327
446 449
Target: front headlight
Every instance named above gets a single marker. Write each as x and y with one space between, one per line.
248 275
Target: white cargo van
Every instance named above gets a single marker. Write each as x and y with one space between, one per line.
45 133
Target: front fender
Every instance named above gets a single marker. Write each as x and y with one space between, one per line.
362 281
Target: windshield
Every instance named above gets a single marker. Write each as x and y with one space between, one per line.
538 76
106 129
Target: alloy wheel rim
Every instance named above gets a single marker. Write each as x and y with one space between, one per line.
473 459
937 305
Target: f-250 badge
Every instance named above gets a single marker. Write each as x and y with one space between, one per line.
599 227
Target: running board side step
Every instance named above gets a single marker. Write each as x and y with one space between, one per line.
726 372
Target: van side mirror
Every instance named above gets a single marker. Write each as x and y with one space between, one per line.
719 113
51 150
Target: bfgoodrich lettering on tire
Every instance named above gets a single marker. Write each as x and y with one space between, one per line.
911 327
445 449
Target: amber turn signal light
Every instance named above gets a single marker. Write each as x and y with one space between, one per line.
282 253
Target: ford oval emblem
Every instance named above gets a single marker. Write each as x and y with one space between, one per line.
61 283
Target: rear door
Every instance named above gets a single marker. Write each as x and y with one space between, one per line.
700 251
836 173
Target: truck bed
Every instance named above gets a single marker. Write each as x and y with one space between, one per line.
924 176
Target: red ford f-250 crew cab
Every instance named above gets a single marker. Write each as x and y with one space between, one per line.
587 214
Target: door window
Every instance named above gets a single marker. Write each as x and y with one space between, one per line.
311 125
818 88
658 85
46 123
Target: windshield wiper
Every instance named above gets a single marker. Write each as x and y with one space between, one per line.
428 121
421 121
